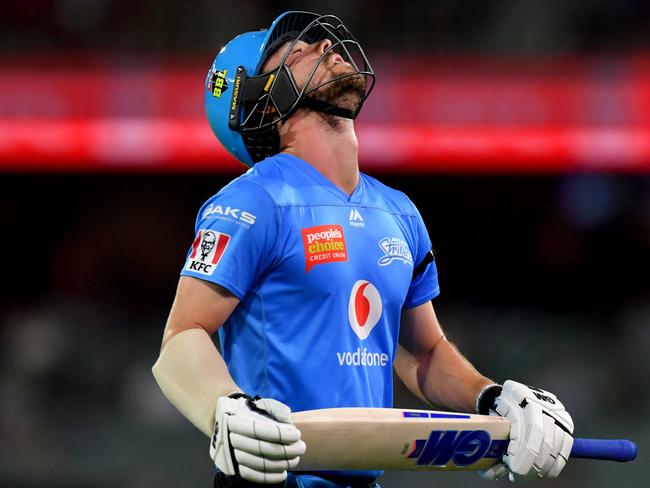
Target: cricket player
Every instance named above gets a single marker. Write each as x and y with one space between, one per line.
318 278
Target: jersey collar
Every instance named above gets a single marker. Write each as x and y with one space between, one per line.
304 166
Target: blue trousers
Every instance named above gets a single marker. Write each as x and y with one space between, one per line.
311 481
296 481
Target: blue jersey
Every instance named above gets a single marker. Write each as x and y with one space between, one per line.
322 277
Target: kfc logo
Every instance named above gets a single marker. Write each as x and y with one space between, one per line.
207 250
207 244
364 308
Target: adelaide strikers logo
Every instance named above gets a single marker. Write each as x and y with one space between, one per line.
364 308
394 248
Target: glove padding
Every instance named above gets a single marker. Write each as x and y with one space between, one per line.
255 438
540 434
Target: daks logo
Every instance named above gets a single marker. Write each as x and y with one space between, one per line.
394 249
207 250
364 308
229 213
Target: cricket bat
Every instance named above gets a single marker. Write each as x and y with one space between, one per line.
397 439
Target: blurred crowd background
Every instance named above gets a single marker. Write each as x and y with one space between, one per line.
520 128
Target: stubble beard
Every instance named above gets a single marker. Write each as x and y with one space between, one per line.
346 92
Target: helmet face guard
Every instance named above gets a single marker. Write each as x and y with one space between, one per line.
260 100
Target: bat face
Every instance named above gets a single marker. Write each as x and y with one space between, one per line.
394 439
456 449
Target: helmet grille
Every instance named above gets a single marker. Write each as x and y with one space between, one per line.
262 143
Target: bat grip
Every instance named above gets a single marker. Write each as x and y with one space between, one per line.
607 449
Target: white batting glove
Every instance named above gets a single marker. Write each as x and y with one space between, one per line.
255 438
540 434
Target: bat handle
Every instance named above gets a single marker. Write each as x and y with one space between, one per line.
608 449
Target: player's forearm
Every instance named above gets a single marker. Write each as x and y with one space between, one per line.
193 375
406 367
448 380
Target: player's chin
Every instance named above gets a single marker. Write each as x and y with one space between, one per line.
346 92
352 89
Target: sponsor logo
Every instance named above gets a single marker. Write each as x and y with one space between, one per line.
229 214
361 357
394 248
235 94
461 448
207 250
356 220
217 83
542 395
364 311
364 308
323 244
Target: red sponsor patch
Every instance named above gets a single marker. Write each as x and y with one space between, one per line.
207 250
323 244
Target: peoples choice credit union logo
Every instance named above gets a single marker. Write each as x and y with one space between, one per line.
364 308
323 244
207 250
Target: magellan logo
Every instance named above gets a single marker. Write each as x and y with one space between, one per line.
323 244
364 308
356 220
207 250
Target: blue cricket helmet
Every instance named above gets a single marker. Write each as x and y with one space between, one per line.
244 105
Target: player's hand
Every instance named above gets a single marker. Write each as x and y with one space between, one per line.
540 434
255 438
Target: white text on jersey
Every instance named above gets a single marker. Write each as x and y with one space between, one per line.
237 215
361 357
356 220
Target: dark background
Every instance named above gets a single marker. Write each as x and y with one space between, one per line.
544 277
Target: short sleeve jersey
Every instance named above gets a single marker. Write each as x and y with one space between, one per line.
322 277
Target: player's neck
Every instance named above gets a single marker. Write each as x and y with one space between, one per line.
333 151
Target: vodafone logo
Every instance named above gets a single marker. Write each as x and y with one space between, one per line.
364 308
364 311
